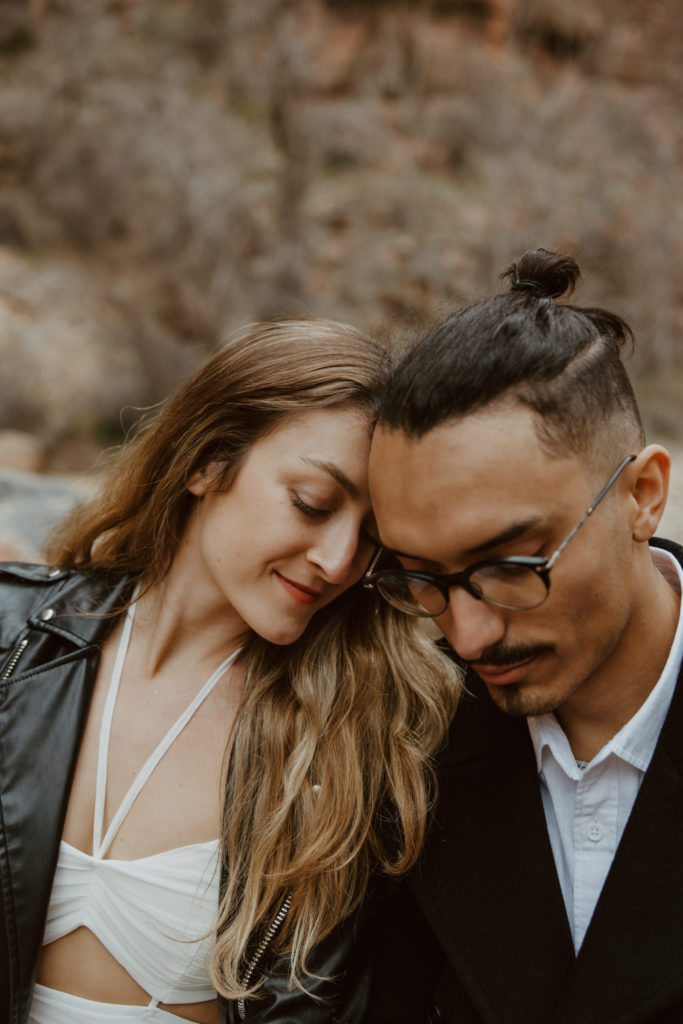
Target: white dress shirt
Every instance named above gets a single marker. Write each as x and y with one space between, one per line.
587 805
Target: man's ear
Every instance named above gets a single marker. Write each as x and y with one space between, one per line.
649 490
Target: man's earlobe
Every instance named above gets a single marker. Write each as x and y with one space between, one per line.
649 490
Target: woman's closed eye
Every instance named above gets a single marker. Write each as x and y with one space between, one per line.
312 511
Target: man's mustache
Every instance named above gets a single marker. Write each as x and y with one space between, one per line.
501 655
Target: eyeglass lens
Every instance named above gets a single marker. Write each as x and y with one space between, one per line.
505 584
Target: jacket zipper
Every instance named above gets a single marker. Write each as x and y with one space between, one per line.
262 948
16 655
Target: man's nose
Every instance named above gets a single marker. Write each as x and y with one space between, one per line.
471 625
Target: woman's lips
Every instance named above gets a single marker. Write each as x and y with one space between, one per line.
501 675
300 592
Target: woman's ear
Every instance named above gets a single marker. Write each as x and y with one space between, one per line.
200 480
649 490
204 479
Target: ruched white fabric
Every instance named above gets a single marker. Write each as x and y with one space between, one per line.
155 915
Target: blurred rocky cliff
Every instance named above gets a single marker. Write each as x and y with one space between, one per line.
173 169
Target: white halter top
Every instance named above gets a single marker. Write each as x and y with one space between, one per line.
154 915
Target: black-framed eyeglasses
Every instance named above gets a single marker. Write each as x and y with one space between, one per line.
519 583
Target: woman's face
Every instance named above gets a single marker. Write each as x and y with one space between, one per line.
286 538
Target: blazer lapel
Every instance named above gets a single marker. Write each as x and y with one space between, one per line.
488 883
632 956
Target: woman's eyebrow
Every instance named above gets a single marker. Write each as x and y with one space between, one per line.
334 471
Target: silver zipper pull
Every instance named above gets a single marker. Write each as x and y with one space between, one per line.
16 655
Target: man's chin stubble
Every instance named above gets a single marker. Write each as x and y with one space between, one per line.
513 700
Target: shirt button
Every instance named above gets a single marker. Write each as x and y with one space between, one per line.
595 831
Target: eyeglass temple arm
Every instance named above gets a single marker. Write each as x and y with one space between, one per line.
371 568
589 511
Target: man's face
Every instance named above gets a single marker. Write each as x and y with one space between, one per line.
483 488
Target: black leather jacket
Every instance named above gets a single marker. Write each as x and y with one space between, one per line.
52 624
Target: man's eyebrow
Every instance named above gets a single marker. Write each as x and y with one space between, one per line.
335 472
510 533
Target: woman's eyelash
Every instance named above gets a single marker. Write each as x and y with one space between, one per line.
308 510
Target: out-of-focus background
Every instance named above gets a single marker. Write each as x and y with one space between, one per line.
174 169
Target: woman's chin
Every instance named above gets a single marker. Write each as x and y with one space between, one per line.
282 634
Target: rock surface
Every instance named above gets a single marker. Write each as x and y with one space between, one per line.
172 170
21 450
672 521
30 505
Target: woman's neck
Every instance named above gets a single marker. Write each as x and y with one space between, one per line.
181 624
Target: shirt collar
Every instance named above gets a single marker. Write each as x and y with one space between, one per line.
636 741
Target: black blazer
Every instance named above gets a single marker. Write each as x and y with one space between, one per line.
480 935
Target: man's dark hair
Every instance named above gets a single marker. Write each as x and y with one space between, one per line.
560 360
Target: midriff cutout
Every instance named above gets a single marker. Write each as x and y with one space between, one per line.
78 963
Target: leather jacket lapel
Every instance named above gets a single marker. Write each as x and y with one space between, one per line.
44 699
35 788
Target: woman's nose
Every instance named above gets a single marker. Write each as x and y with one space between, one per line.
335 552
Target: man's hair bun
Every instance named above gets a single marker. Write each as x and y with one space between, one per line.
543 274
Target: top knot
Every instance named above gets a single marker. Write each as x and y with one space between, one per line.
543 274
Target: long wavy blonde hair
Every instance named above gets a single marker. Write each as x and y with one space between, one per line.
330 773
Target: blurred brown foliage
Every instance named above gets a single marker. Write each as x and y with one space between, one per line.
172 169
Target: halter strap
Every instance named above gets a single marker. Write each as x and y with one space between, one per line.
100 845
